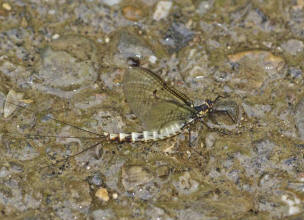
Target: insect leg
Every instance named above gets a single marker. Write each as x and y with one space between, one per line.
217 98
215 129
74 155
225 112
189 136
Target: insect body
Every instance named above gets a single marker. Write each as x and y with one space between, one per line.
164 111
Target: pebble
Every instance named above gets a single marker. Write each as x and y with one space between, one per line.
294 72
299 118
60 72
133 176
185 184
96 179
111 2
4 172
3 13
203 7
162 10
264 57
55 36
255 67
293 203
115 196
255 18
102 193
67 66
293 46
153 59
103 214
127 43
163 172
6 6
299 5
132 13
177 37
210 140
256 111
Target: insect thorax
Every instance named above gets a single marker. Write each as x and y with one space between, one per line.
204 108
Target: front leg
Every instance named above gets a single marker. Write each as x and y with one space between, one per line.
222 131
225 112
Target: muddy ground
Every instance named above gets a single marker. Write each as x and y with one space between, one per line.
63 63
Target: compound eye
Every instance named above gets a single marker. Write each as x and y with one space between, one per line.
209 102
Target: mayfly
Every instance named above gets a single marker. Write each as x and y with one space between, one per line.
164 111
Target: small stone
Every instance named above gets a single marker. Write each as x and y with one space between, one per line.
102 193
133 176
111 2
254 18
132 13
299 5
3 172
203 7
255 67
294 72
185 184
299 118
293 46
96 179
256 111
261 56
55 36
210 140
163 172
177 37
114 195
162 10
6 6
67 66
103 214
293 204
127 43
153 59
52 12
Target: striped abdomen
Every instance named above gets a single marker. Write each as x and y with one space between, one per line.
145 136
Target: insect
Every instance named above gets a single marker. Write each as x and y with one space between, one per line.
164 111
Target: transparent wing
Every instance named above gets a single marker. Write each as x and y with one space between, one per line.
164 113
153 101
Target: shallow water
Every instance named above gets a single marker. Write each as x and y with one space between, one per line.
68 59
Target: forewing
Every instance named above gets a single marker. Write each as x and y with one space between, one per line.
164 113
152 101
